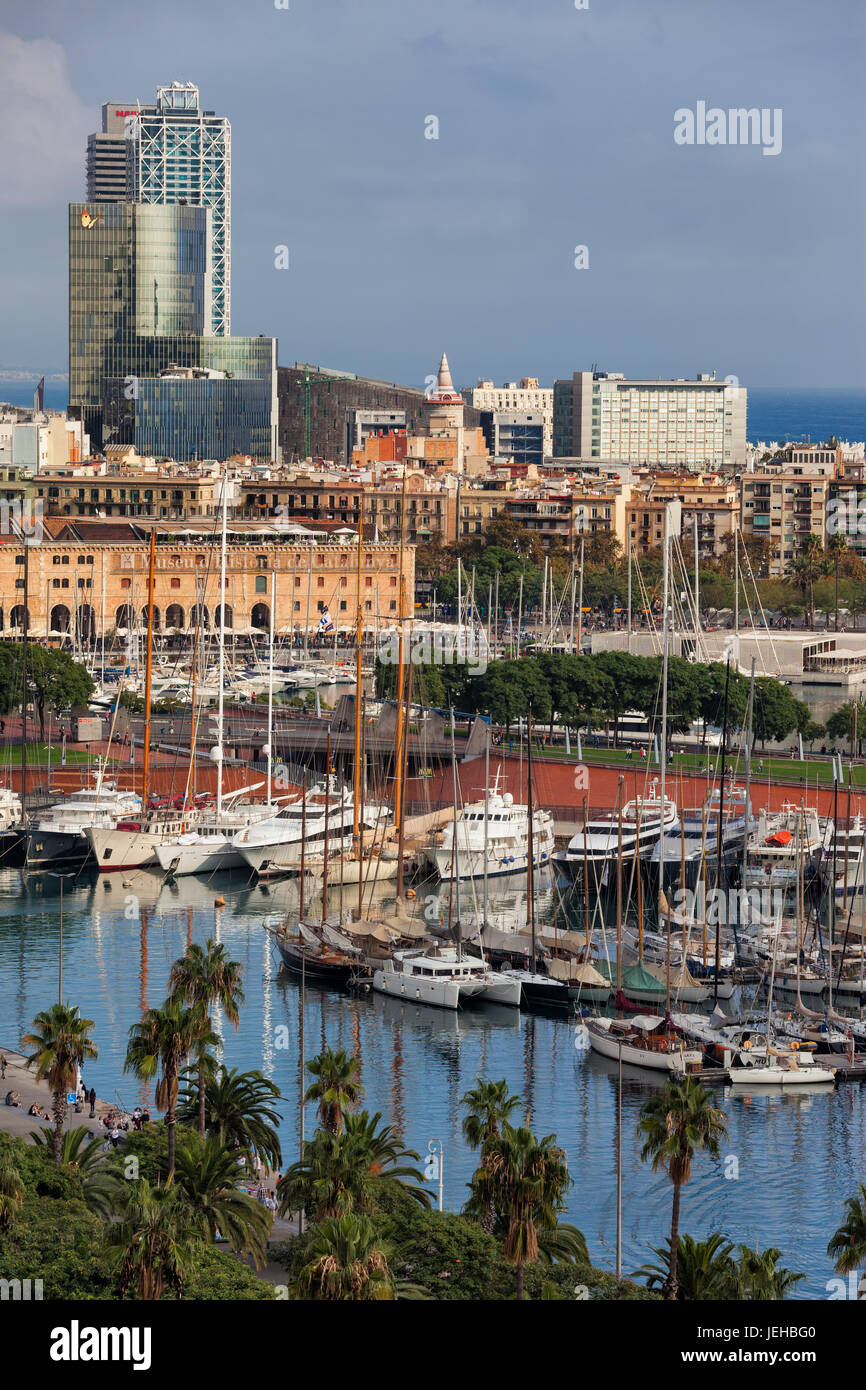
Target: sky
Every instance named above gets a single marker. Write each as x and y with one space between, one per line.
555 131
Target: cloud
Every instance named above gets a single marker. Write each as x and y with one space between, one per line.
44 124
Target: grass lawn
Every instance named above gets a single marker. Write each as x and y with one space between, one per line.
818 771
42 755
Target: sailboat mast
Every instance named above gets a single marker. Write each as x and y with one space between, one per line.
271 690
530 863
148 668
24 626
401 824
721 827
359 636
398 753
221 697
486 820
663 745
325 843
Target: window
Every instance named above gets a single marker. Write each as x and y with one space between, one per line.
261 584
320 582
175 583
125 583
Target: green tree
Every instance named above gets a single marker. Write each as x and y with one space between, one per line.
705 1268
758 1276
848 1242
336 1086
54 680
351 1171
345 1262
201 978
159 1045
80 1151
488 1105
11 1188
208 1175
837 545
60 1042
678 1122
526 1180
239 1110
154 1240
808 566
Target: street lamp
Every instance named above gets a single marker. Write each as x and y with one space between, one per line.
435 1165
60 878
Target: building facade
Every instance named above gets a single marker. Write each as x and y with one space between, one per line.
91 586
697 424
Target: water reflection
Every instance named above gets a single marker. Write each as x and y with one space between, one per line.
121 936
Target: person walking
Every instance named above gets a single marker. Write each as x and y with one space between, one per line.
3 1067
92 1099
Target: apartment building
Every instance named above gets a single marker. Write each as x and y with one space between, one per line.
785 505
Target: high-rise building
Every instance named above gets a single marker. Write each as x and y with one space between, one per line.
109 165
144 364
182 154
697 424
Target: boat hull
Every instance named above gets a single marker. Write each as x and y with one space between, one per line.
444 994
608 1046
44 848
181 860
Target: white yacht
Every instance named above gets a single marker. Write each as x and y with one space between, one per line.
61 833
643 819
274 844
697 837
781 843
762 1065
10 809
507 829
446 979
208 846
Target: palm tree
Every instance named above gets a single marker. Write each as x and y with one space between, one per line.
156 1238
345 1172
161 1043
345 1262
239 1111
848 1242
758 1277
335 1087
810 564
208 1174
526 1179
60 1044
678 1122
206 976
11 1188
836 547
80 1151
705 1269
488 1105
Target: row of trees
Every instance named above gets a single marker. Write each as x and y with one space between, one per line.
599 689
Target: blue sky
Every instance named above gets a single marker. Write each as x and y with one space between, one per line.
555 130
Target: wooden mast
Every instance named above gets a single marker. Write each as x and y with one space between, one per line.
148 670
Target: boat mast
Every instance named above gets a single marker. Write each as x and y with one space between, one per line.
398 752
580 601
148 669
271 693
24 626
325 843
455 857
401 824
664 740
359 635
530 865
721 828
220 707
619 890
486 822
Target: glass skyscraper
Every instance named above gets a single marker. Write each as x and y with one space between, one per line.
140 308
179 153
